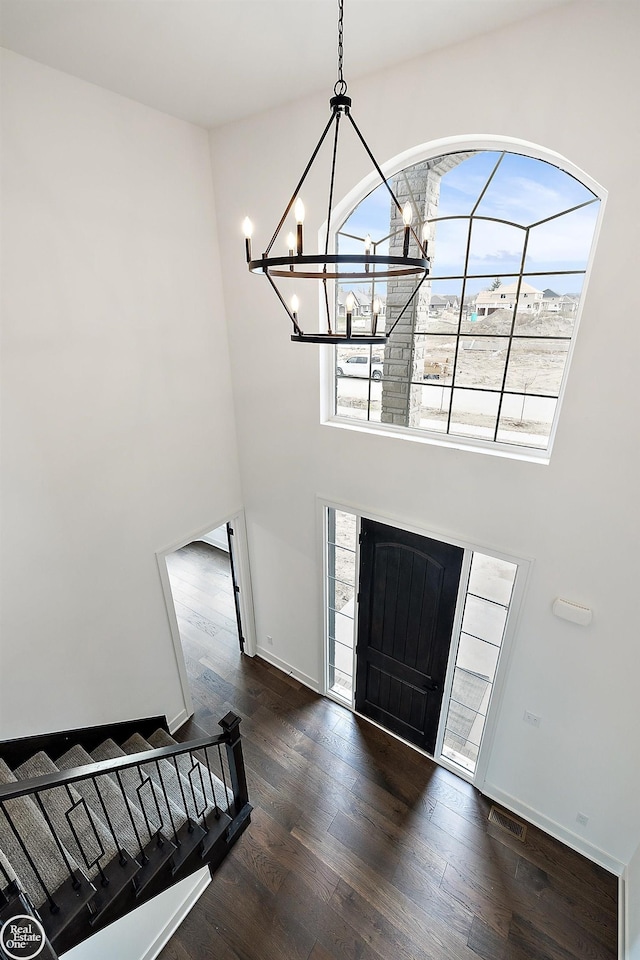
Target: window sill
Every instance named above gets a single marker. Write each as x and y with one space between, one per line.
464 444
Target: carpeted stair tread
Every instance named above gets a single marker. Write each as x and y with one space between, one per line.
57 803
104 820
7 873
176 779
109 750
160 738
113 800
163 739
131 780
37 839
164 773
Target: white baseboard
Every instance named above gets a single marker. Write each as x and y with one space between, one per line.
178 720
288 669
554 829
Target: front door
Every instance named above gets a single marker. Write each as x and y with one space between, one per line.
408 592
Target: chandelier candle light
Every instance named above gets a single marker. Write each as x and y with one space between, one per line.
329 267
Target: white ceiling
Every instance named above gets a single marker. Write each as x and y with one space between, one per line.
211 61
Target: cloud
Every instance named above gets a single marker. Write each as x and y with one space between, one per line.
524 191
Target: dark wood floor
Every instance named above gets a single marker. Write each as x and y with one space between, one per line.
359 847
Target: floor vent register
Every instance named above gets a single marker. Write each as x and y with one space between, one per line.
507 822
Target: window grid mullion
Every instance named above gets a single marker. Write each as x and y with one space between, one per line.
480 404
466 264
510 344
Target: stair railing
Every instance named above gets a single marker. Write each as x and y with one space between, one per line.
222 759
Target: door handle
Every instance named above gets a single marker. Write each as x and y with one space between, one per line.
431 685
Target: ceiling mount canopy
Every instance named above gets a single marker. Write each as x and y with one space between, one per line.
328 267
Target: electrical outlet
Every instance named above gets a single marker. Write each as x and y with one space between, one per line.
270 641
531 718
582 819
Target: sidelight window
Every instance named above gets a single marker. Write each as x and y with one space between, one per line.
488 595
341 541
486 608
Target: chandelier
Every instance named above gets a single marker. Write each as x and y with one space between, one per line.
327 267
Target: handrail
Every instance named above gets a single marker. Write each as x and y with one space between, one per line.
196 807
22 788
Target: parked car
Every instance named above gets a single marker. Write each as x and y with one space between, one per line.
358 366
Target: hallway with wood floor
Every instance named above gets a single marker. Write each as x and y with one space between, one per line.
359 847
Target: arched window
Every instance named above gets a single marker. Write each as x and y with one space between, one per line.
481 356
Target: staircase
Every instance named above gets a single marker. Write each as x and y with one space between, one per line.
95 822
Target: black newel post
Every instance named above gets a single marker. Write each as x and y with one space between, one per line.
231 728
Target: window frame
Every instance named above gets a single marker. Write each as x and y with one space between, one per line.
428 151
514 607
524 570
325 506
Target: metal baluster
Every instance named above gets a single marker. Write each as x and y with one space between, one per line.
75 883
119 847
166 800
53 906
213 789
224 777
145 858
184 799
203 814
144 780
216 805
104 880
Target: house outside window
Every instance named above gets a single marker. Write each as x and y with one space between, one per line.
481 357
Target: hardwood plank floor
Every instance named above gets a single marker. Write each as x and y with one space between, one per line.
359 847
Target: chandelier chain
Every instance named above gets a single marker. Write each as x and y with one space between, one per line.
368 266
340 87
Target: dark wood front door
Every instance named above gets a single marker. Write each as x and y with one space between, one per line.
408 591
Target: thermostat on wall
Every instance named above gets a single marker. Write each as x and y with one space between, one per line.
569 610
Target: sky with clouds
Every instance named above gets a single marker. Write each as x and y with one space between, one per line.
508 187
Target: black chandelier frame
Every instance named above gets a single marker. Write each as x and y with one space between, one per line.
365 267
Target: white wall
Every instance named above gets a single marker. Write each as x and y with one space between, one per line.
217 538
118 430
565 80
141 934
